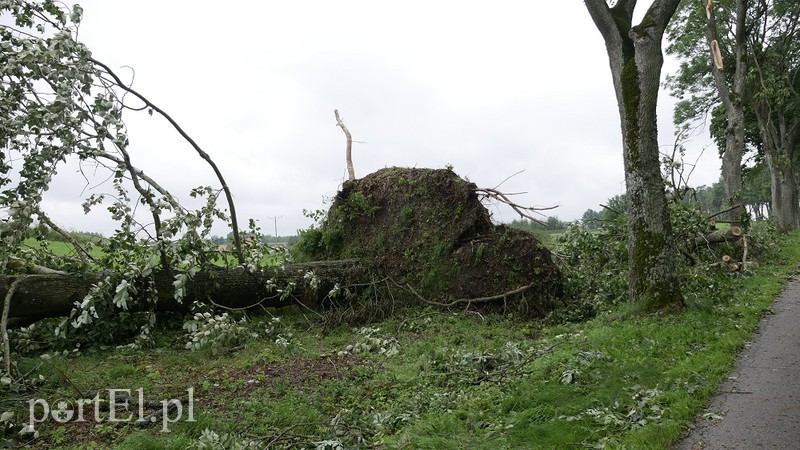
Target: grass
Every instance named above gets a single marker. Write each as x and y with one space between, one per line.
621 380
59 248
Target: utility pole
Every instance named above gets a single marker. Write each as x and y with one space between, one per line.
275 220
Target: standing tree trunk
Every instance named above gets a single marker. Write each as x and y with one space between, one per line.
785 211
732 99
774 60
635 56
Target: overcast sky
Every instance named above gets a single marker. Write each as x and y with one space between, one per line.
491 88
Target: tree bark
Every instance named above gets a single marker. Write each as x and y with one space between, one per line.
774 62
55 295
717 237
635 57
733 102
785 210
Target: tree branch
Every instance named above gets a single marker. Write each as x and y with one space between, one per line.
603 18
661 11
719 213
166 194
234 226
4 327
148 197
523 211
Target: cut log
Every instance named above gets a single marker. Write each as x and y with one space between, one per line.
726 259
736 266
716 237
54 295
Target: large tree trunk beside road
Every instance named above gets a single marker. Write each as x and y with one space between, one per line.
635 56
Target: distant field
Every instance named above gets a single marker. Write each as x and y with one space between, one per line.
66 249
549 240
61 248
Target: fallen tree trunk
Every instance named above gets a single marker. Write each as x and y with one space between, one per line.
52 295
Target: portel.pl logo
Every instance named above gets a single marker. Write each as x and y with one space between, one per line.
119 410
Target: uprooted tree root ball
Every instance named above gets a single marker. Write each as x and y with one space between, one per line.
428 233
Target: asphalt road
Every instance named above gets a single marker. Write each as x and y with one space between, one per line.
758 407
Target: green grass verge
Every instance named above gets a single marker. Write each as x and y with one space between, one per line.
621 380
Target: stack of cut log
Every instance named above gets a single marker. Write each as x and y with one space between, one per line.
735 266
732 234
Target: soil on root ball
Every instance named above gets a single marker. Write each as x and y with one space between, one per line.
427 231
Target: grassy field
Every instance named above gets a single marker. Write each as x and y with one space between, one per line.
61 248
423 379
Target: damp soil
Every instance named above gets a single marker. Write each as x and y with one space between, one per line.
427 231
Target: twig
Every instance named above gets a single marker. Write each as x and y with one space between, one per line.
610 209
283 434
719 213
523 211
77 390
167 196
230 308
351 173
508 178
492 298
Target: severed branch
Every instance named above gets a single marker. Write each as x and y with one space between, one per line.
351 173
523 211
